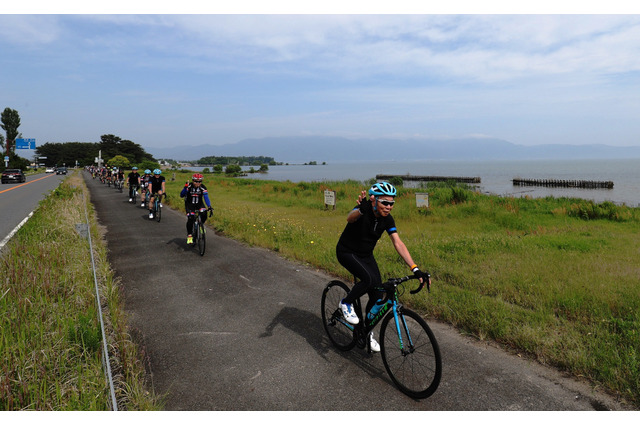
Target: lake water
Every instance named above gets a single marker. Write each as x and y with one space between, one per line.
496 176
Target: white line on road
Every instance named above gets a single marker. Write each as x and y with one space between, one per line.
12 233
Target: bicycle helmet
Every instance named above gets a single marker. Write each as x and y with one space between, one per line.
147 172
383 188
197 177
157 171
134 168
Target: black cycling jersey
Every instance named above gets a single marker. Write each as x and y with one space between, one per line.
133 178
361 236
155 183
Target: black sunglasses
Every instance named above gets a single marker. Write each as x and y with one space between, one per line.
386 203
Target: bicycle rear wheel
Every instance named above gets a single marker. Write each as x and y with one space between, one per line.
202 242
411 354
340 332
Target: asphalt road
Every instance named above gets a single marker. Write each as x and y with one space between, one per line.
240 329
18 200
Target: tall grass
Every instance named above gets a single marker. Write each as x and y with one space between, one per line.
50 337
555 279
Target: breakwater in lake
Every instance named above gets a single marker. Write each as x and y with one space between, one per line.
564 183
461 179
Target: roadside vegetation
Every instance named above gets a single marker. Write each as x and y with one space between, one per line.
50 335
554 279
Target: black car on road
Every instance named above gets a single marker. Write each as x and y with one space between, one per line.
61 171
13 175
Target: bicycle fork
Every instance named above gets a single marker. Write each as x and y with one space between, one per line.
399 319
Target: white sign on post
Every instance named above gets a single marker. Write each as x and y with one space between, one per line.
329 199
422 199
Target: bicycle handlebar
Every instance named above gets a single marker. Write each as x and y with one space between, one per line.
392 283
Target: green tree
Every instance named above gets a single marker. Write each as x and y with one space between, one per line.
10 123
119 161
112 145
68 153
233 169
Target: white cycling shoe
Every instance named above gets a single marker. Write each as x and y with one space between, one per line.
348 313
373 344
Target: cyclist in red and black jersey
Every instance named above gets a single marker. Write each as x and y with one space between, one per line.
144 186
365 225
195 196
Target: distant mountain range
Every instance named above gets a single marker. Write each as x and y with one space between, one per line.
337 149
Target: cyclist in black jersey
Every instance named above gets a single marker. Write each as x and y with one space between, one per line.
366 223
133 181
156 188
195 196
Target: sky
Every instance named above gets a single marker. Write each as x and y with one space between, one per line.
189 76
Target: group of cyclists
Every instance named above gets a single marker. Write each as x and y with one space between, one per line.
366 223
151 184
109 175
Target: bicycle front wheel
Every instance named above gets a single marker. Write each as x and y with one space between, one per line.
158 211
202 242
411 354
340 332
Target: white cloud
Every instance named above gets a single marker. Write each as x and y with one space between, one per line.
29 30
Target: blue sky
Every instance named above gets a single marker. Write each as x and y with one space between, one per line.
183 79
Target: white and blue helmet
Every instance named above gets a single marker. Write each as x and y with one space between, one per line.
382 188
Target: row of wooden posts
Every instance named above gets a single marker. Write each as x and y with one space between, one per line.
559 183
562 183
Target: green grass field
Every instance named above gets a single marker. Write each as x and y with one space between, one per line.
50 336
554 279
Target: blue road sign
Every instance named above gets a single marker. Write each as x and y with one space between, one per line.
26 143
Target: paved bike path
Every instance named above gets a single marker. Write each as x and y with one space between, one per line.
240 329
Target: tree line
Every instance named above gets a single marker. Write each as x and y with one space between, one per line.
112 149
242 161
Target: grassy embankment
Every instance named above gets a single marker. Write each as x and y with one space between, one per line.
50 338
554 279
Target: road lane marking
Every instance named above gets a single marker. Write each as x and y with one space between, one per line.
25 183
12 233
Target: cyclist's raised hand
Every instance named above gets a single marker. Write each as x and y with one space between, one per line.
362 196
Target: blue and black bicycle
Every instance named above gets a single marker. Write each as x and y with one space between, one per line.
409 349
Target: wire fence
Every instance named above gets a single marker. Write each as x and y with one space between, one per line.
105 349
